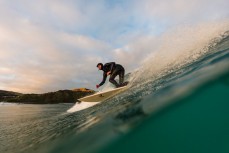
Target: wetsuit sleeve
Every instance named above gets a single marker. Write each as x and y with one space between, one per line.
104 79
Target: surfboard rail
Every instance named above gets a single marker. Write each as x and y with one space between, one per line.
101 96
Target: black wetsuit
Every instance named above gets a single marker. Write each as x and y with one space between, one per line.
116 69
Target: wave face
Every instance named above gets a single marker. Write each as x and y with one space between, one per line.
179 57
181 63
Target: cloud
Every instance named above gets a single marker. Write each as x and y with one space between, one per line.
39 60
52 45
181 10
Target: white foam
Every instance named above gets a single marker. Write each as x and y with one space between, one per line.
176 48
81 106
5 103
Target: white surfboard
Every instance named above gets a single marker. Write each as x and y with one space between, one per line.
101 96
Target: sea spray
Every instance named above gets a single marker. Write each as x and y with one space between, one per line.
178 48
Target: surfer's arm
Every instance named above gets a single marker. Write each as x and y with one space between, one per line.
104 79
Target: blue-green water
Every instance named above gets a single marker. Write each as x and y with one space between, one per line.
183 109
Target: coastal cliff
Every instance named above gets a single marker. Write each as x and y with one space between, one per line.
61 96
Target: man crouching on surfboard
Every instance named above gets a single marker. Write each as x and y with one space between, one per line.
113 70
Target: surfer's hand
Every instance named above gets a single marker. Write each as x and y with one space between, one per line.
108 73
97 86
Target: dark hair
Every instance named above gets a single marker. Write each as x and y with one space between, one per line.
99 64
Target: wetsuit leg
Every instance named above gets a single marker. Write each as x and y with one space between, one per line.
112 77
121 76
119 70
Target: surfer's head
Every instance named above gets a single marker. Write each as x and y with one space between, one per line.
100 66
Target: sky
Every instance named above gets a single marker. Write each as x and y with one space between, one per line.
52 45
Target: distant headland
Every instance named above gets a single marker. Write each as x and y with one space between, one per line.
61 96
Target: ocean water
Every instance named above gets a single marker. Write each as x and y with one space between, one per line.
178 101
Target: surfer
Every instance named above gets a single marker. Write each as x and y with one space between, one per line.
113 70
